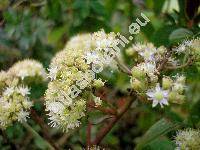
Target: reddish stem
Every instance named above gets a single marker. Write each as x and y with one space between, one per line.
105 130
88 138
104 110
44 127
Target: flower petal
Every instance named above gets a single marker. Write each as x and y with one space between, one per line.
155 102
164 101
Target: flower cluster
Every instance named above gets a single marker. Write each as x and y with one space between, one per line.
146 52
95 147
188 139
73 73
189 46
15 103
171 91
28 69
176 88
145 74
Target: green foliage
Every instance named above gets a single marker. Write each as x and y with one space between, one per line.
180 34
160 128
40 28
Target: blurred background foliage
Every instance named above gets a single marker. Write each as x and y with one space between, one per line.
40 28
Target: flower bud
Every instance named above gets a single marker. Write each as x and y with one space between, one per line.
161 50
130 51
138 73
181 79
153 79
98 83
178 88
167 83
180 99
174 97
138 85
195 46
97 101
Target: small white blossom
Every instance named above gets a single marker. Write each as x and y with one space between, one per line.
52 73
183 46
148 54
24 90
22 74
22 116
9 91
97 101
55 107
92 57
158 96
148 67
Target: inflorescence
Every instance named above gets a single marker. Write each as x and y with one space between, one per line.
14 92
73 73
188 139
146 79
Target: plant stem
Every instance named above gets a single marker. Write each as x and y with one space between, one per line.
44 127
109 111
34 133
105 130
189 62
164 61
123 67
88 138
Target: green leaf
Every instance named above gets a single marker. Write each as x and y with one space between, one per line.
160 128
180 34
161 35
56 34
194 116
161 144
158 5
82 8
97 7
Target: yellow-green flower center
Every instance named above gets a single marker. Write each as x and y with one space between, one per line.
159 96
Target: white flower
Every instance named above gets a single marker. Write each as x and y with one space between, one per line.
92 57
97 101
24 90
183 47
158 96
55 107
22 74
178 87
22 116
148 67
180 49
52 73
148 54
9 91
